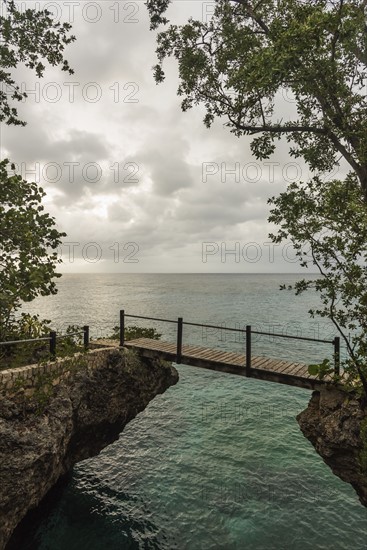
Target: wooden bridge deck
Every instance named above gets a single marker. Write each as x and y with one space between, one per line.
262 368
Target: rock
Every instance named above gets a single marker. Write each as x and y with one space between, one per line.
332 423
86 412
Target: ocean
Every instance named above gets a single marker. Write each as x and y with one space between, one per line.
218 461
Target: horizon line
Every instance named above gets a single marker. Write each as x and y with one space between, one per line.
183 273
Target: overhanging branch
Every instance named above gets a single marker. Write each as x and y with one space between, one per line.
251 12
279 129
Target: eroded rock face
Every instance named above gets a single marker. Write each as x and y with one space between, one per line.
332 423
86 413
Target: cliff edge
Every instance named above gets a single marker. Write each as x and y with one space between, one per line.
332 422
43 435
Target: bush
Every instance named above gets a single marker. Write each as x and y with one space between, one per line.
29 327
133 332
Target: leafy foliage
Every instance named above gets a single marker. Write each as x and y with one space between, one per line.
238 61
28 250
326 221
31 327
134 331
30 37
28 236
321 370
24 328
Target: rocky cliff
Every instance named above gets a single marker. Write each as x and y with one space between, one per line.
43 435
332 423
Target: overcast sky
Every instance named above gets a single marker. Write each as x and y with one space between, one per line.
137 185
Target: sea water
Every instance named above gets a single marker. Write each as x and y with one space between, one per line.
218 461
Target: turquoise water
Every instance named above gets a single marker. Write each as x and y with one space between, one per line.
218 461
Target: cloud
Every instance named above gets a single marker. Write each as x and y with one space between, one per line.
123 166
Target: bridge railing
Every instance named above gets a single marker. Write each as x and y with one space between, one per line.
248 331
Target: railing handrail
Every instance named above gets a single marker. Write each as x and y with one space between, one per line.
203 325
58 336
308 339
151 318
52 338
248 331
8 342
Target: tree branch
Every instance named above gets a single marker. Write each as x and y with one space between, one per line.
280 129
252 14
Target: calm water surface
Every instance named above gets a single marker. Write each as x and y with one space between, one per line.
218 461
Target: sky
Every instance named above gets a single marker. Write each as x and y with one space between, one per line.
138 185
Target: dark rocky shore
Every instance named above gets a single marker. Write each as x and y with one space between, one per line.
332 423
86 412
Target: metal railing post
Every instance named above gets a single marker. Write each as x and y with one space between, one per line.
53 344
122 327
86 336
179 340
248 350
337 355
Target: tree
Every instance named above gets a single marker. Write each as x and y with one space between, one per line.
327 225
30 37
235 64
28 245
28 235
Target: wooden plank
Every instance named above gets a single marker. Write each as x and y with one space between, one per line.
280 365
171 348
265 375
298 370
189 349
301 367
152 345
277 365
264 365
140 342
294 369
276 370
195 353
236 359
219 356
289 368
207 353
226 358
203 353
284 367
307 374
256 362
270 365
216 358
304 373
